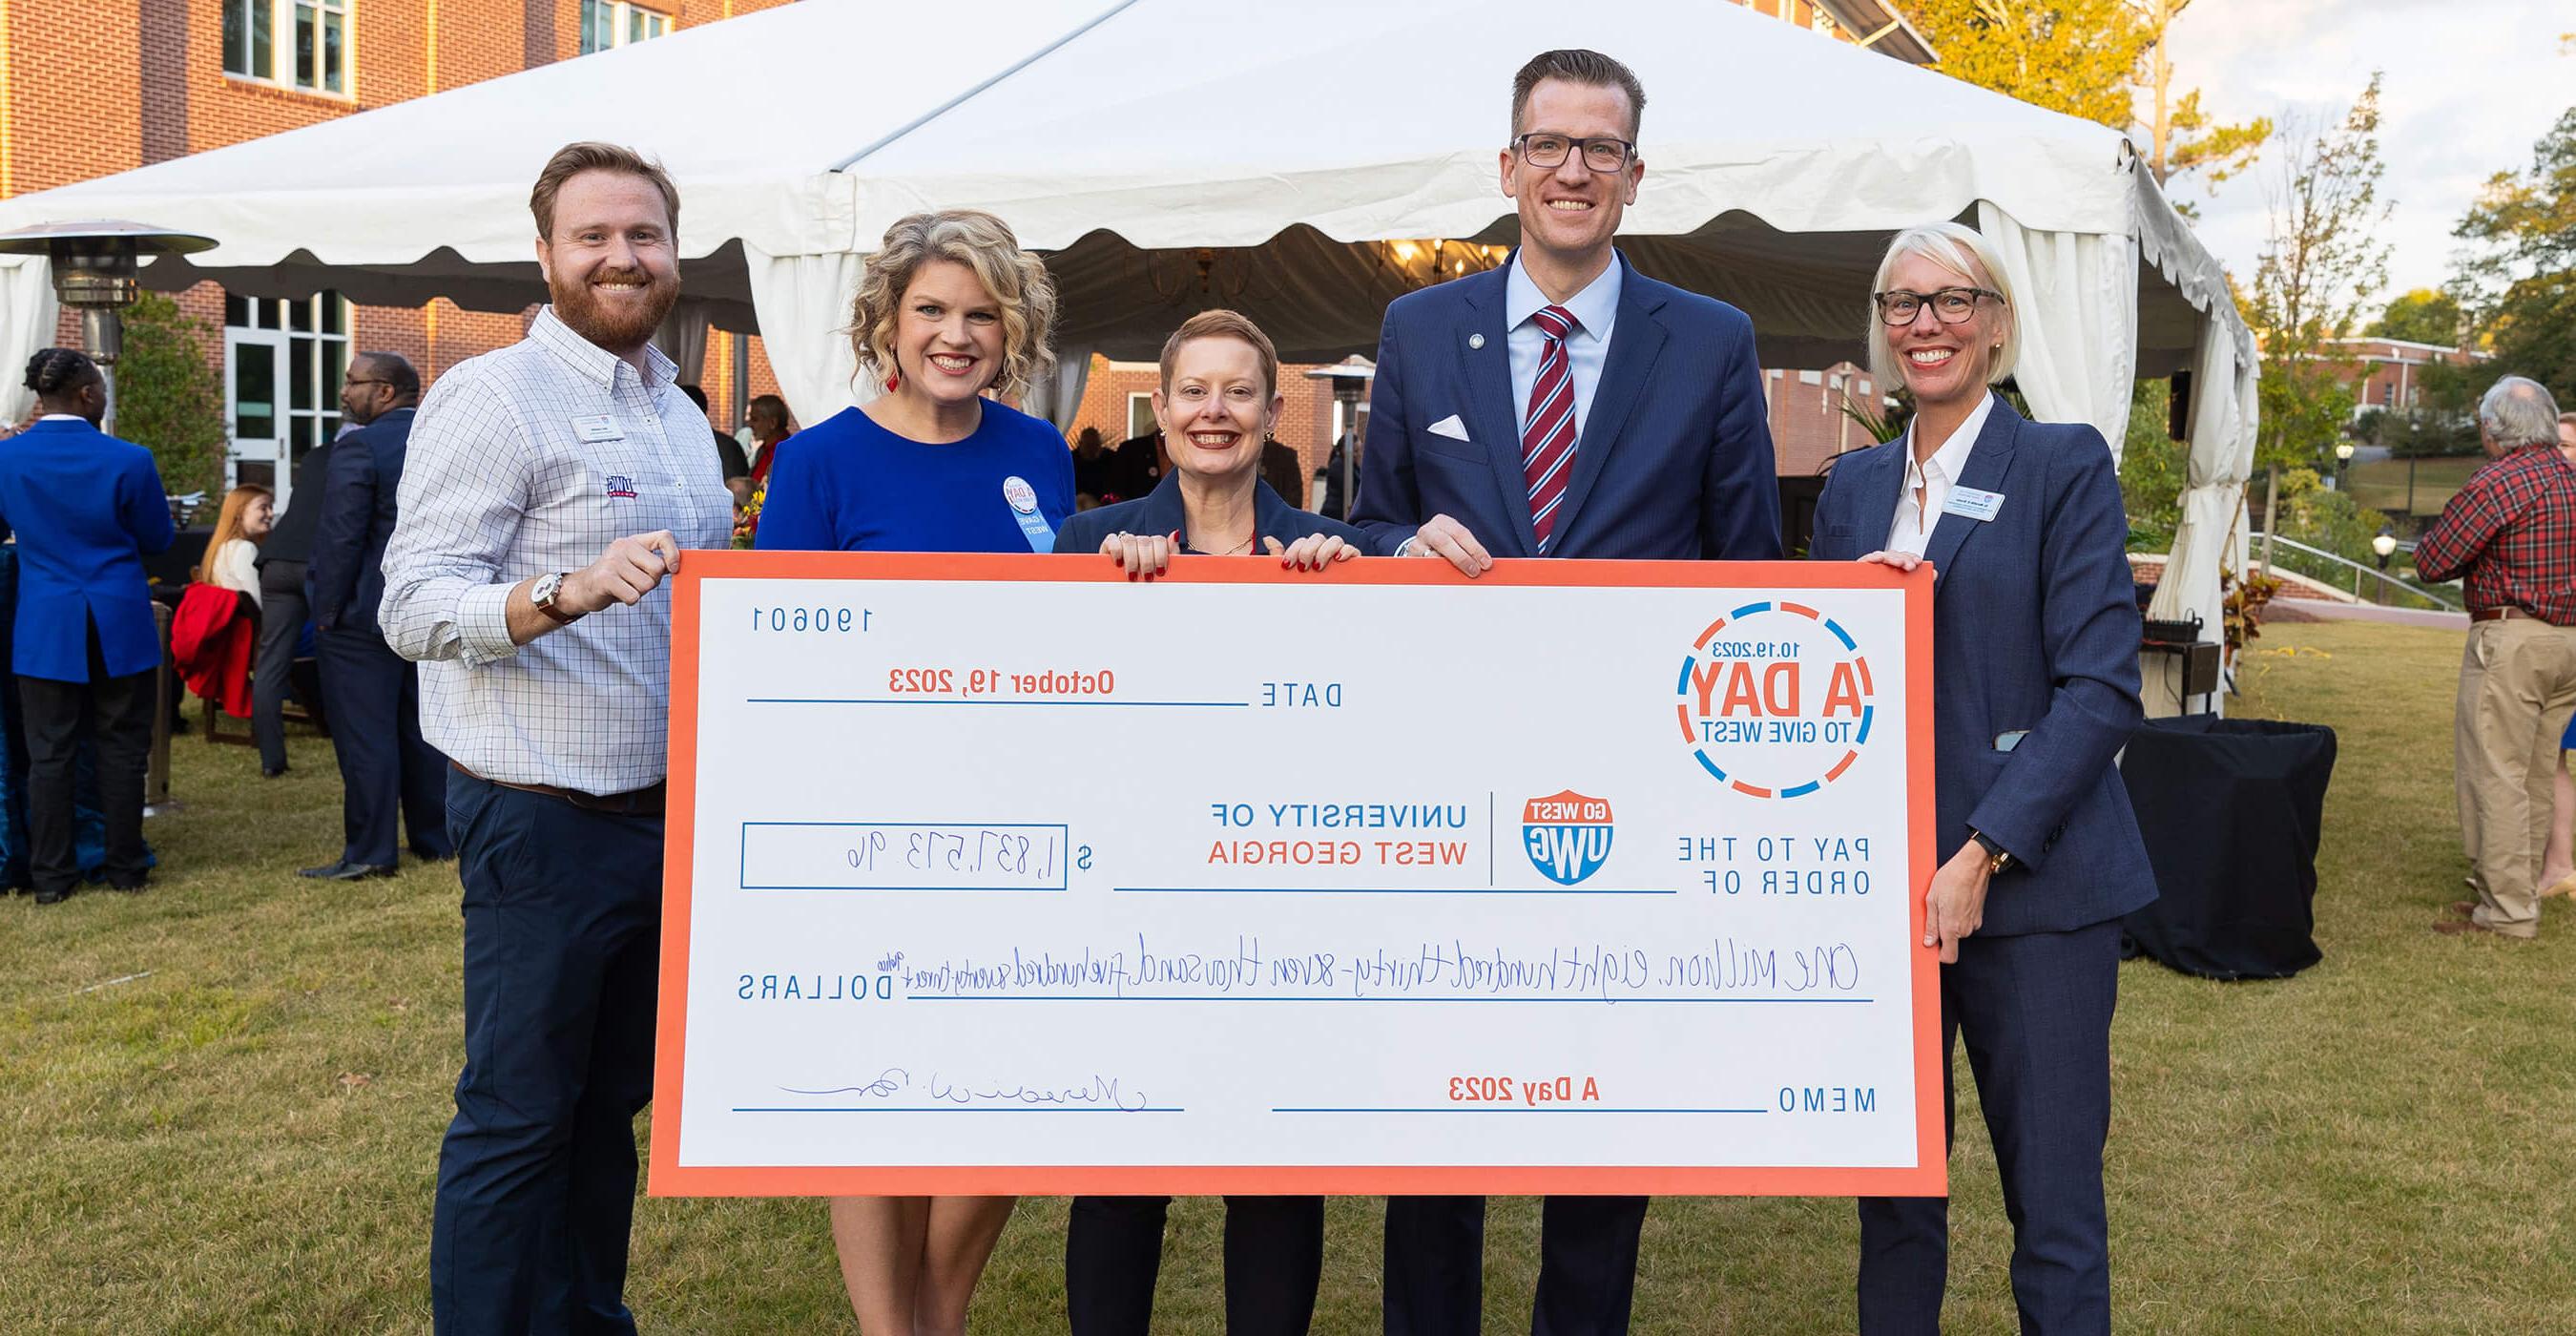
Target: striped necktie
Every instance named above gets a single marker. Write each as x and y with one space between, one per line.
1547 444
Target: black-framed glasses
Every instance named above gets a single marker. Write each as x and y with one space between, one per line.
1599 154
1950 306
365 380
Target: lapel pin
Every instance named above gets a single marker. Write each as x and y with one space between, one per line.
1475 340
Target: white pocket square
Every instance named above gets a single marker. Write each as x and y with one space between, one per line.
1450 427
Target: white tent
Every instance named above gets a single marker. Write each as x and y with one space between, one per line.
1178 154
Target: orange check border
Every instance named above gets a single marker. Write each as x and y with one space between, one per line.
1927 1176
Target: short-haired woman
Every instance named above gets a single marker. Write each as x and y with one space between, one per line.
86 509
1217 403
232 550
948 309
2035 653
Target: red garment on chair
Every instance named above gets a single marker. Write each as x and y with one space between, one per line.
211 641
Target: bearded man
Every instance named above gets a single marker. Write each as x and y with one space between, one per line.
550 487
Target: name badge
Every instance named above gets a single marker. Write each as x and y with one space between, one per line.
1023 501
597 428
1976 505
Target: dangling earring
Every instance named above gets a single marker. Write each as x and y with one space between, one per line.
894 378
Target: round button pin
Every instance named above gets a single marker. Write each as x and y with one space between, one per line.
1475 340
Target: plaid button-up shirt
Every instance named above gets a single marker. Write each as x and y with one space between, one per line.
2510 536
525 461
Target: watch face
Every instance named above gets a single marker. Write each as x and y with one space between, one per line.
543 595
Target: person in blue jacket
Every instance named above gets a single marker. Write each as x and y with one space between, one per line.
2035 650
86 508
1217 403
948 308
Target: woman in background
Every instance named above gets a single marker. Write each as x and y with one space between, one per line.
232 551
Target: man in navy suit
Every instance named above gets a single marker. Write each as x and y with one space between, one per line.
1562 406
372 693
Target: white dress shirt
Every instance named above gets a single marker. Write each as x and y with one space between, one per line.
1595 310
525 461
1931 480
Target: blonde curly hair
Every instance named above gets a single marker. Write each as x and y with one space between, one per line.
982 242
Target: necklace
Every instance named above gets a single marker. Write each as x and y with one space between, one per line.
1242 547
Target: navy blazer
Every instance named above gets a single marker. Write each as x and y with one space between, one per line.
357 516
1160 511
2034 627
1674 461
86 508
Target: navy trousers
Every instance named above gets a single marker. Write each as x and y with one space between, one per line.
2035 1011
536 1180
1274 1259
385 765
1435 1265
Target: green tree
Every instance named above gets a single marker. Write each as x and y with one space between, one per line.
168 398
2076 56
2153 469
2521 264
2422 315
2320 266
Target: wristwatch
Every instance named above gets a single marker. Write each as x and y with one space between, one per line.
544 592
1998 859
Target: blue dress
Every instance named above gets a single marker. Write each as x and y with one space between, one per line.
850 485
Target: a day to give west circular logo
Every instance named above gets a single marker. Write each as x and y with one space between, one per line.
1775 699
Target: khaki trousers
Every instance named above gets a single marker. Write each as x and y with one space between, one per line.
2517 688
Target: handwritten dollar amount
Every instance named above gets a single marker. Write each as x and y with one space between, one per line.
890 856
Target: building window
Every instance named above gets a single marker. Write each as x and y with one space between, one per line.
608 23
317 356
319 40
1140 415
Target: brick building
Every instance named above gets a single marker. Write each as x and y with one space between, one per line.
2388 374
88 89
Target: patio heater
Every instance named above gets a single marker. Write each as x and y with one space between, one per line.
94 264
1350 380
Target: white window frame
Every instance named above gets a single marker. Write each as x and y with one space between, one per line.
323 352
1140 401
626 22
285 18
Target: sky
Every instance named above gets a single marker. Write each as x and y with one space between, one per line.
2469 89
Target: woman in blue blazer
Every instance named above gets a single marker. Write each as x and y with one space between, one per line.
86 508
2035 671
1218 401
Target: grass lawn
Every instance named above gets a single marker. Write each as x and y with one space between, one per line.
223 1102
2408 486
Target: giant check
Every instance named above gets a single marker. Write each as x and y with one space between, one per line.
1003 874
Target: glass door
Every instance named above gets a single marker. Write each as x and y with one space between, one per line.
255 410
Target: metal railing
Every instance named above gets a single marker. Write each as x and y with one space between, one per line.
2360 572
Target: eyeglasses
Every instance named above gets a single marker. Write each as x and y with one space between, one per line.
1951 306
365 380
1601 155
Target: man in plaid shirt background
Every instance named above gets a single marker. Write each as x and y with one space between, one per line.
2510 537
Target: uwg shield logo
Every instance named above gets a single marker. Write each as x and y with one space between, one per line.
1568 835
